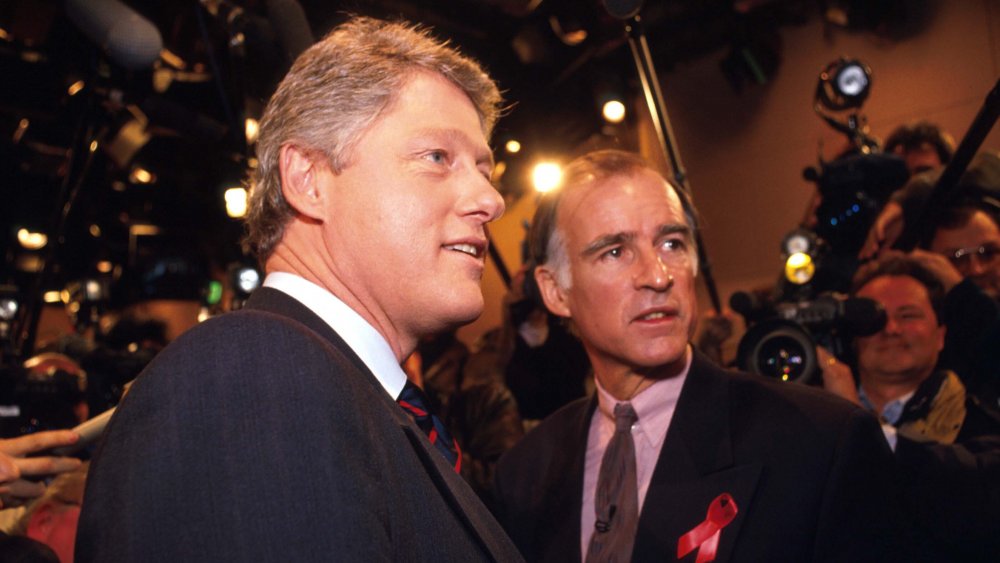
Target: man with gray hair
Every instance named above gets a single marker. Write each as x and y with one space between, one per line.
674 458
274 433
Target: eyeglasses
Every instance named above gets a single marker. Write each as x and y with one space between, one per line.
985 254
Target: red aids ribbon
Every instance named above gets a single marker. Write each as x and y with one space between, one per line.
705 536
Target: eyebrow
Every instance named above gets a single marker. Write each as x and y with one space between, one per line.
675 228
623 237
605 241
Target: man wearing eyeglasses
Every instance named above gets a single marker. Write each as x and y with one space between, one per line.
969 237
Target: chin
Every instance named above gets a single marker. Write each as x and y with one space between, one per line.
664 356
464 311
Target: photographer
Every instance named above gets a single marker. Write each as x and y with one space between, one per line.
947 444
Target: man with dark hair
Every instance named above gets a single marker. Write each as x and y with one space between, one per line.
922 144
946 442
274 433
674 458
969 237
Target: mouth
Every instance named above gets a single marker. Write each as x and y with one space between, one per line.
657 315
476 249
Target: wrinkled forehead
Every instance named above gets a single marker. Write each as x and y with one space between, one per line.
593 195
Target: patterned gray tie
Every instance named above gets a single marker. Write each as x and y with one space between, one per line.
617 498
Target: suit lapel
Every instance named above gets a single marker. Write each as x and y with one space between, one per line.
456 493
560 521
695 467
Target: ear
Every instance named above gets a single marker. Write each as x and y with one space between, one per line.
302 181
554 296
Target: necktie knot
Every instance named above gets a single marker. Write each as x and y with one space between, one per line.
415 403
625 417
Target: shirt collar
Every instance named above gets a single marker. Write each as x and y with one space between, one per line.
892 411
654 405
360 336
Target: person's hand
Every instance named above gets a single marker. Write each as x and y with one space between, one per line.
884 232
17 471
941 267
837 377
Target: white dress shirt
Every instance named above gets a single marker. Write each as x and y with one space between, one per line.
655 407
364 340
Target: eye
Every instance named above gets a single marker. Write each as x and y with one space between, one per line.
612 253
437 156
674 244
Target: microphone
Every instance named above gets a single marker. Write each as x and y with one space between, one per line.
289 22
126 37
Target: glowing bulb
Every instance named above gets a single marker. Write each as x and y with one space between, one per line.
799 268
75 88
546 176
236 202
31 240
513 146
613 111
140 175
252 128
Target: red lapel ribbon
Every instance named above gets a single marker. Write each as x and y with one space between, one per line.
705 536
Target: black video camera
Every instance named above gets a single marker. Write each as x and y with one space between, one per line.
782 337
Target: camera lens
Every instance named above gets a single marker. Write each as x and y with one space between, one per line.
780 349
781 357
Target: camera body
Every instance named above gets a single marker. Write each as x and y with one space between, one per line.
782 338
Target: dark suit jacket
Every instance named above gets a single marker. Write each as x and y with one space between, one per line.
811 476
260 436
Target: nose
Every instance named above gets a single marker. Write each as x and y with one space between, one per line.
482 200
975 266
652 272
891 326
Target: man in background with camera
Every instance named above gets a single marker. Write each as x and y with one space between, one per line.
287 431
674 458
947 443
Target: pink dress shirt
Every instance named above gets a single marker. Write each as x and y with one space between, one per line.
655 407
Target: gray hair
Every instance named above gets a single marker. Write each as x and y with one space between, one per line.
335 91
547 243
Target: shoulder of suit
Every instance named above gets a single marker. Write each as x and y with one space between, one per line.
234 345
560 429
782 402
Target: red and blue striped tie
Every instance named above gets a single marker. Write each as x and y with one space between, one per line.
414 402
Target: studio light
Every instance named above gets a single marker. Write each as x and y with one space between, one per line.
546 176
844 84
613 111
31 240
247 280
799 240
140 175
8 304
252 128
236 202
800 268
